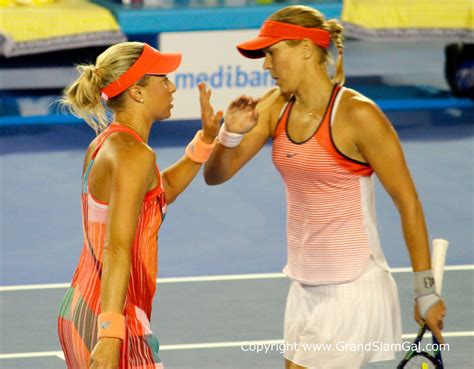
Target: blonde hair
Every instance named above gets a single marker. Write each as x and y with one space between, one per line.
311 18
82 98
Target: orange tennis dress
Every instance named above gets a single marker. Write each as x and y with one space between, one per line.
77 321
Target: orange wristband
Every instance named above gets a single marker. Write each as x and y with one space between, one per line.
111 325
199 151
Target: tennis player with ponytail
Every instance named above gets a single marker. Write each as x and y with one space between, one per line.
104 320
328 141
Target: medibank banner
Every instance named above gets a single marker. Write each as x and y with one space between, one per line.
212 57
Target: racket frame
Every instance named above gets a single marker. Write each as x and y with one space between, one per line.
436 360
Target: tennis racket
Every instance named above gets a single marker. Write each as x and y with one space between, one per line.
416 358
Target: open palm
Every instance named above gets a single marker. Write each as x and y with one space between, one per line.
210 121
241 115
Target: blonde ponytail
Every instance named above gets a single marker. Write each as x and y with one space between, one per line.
336 29
83 100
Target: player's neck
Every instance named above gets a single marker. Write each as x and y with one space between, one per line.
138 125
314 93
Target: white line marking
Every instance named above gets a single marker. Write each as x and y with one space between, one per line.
210 278
270 342
215 278
210 345
60 354
449 268
25 355
25 287
445 334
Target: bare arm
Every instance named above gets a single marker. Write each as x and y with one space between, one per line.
379 145
179 175
225 162
132 173
242 116
132 169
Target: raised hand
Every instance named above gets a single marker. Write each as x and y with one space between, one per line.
210 121
241 115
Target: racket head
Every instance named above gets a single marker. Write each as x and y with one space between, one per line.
421 359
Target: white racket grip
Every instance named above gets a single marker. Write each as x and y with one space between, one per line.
438 260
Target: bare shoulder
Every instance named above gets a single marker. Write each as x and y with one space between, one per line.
356 104
270 107
125 151
271 97
363 113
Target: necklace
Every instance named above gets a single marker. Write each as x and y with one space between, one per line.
316 113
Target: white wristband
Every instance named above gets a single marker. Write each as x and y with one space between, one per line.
229 139
425 292
423 283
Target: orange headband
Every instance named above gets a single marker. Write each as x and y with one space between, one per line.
273 32
150 61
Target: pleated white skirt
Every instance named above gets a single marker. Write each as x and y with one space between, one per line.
343 326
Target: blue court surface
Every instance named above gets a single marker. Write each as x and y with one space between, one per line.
234 233
222 249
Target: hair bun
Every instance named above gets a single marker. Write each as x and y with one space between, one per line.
334 26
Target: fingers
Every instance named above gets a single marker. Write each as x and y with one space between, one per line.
436 330
210 121
218 117
204 94
105 354
434 319
244 102
254 116
207 112
442 305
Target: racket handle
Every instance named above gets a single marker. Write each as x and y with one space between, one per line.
438 260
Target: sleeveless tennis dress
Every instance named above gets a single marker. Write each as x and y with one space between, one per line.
77 321
342 292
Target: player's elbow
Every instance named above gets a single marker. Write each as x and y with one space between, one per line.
408 203
212 180
213 177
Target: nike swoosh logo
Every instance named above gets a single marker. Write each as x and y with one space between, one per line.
105 325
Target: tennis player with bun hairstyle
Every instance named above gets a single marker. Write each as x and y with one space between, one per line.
328 141
104 320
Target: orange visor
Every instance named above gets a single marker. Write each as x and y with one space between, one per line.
151 61
273 32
